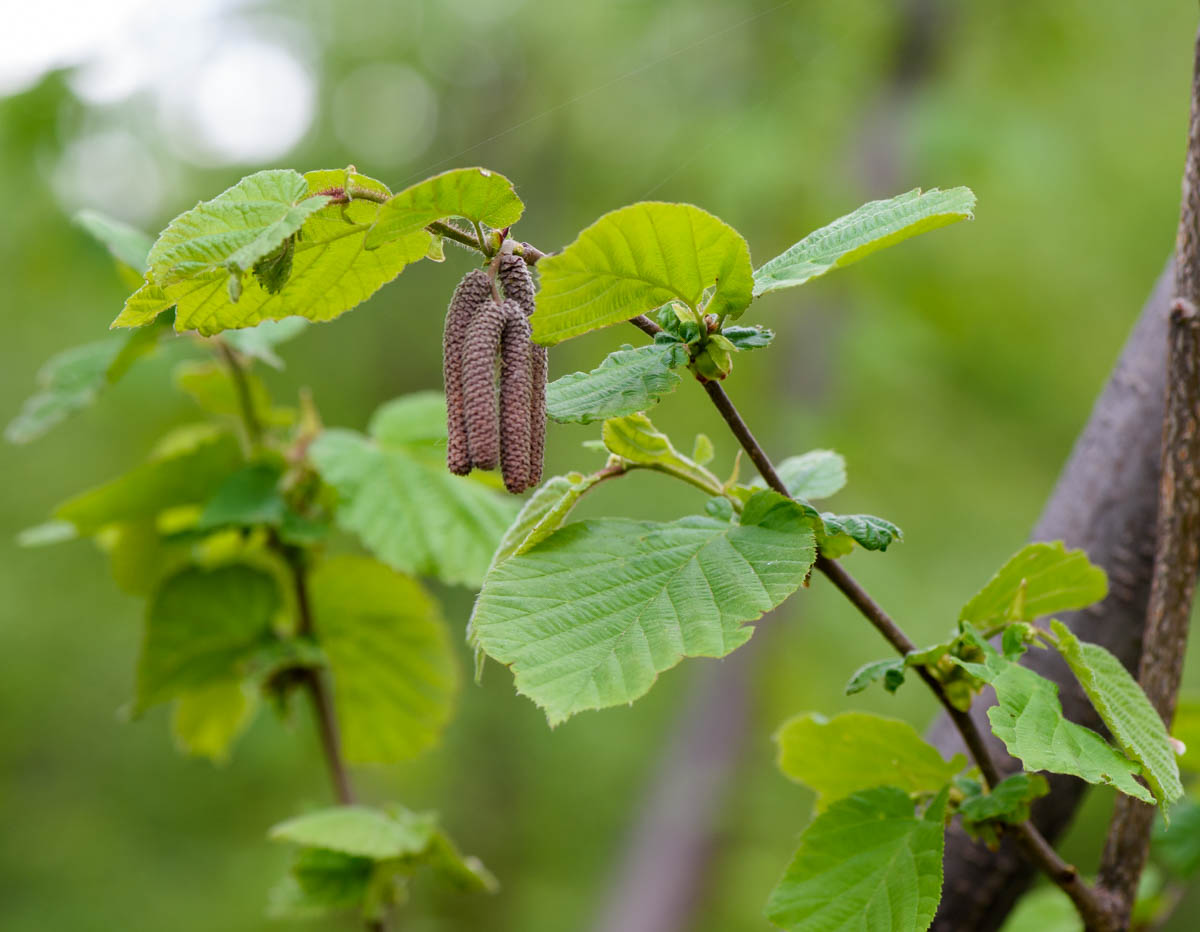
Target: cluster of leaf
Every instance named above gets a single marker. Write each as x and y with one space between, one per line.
896 852
250 588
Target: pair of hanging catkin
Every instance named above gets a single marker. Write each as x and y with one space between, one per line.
489 425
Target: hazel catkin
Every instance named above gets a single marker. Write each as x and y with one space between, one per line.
517 282
472 292
516 392
479 385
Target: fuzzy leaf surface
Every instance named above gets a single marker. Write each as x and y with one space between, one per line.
394 676
869 863
395 493
636 259
472 193
874 226
627 381
591 615
1037 580
1135 726
854 751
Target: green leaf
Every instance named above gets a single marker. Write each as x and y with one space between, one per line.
320 882
127 245
1135 725
360 831
811 476
248 497
1028 718
207 721
868 531
1037 580
748 338
872 227
891 671
636 259
186 472
1177 846
212 387
201 627
1046 909
235 229
394 675
591 615
855 751
1008 802
259 342
702 450
68 382
636 439
629 380
867 864
395 493
543 514
472 193
331 273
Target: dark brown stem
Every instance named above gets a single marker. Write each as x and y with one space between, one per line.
1177 552
241 388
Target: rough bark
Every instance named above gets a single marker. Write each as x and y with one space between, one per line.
1106 502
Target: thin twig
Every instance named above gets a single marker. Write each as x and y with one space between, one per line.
241 387
1177 551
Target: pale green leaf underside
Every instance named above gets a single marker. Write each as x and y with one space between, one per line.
590 616
397 496
394 676
1028 718
867 864
360 831
235 229
810 476
1054 579
872 227
331 273
472 193
627 381
1135 725
855 751
636 259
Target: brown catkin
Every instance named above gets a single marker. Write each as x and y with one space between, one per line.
479 385
472 292
516 281
515 395
537 413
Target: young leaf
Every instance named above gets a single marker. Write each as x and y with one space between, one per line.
1037 580
67 382
394 676
811 476
629 380
201 628
868 531
320 882
396 495
1008 802
867 864
1028 718
636 259
591 615
636 439
873 226
1135 726
187 472
855 750
331 273
245 498
360 831
891 671
471 193
543 514
208 720
748 338
235 229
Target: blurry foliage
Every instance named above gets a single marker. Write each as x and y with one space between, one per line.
953 375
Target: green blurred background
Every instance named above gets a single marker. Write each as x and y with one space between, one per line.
953 372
